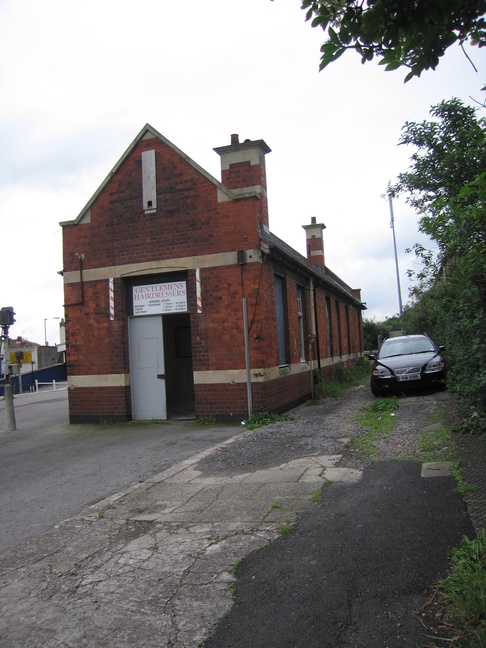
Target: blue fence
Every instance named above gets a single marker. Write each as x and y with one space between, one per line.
55 372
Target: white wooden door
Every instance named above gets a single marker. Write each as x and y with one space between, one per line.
147 373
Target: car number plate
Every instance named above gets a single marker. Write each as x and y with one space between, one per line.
412 376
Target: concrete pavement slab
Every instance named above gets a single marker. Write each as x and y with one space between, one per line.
342 475
149 566
436 469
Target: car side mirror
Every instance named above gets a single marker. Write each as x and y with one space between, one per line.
441 347
371 356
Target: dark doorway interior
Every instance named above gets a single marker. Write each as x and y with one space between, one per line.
178 366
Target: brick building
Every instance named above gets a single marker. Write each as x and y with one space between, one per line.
179 300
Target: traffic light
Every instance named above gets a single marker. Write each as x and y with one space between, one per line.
7 316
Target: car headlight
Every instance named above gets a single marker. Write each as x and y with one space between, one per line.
435 365
381 372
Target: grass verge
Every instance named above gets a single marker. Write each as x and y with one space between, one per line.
461 597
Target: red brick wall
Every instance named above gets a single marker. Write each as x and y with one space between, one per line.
188 222
94 344
93 404
188 218
244 174
221 319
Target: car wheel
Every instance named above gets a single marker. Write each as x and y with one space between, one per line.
374 389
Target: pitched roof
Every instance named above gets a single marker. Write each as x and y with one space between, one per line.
323 276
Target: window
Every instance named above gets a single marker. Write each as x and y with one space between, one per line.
300 315
149 193
338 320
281 324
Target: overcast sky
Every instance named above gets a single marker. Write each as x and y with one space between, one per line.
79 80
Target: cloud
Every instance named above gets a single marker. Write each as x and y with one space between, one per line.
79 81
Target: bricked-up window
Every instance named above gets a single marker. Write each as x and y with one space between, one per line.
149 193
300 315
338 320
348 330
330 341
281 320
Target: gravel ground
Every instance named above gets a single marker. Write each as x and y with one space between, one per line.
327 429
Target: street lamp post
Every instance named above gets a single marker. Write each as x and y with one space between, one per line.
392 225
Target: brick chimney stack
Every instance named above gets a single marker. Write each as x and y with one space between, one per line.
315 243
243 169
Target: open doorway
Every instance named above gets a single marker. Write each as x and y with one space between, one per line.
178 366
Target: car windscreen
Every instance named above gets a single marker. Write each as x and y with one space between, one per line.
392 348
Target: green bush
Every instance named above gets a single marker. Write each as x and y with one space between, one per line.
463 592
446 184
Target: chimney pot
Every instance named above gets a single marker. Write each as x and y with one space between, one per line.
313 220
235 139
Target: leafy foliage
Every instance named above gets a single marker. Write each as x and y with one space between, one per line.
409 33
446 177
259 419
375 332
447 184
463 591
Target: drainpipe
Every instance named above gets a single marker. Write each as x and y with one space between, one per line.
316 325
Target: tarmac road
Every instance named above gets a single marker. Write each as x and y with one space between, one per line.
50 470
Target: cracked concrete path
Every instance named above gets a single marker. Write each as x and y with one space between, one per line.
152 566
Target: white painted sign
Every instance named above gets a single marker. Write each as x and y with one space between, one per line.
152 299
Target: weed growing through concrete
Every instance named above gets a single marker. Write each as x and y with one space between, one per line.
456 472
316 496
378 419
206 420
285 528
261 547
232 588
273 507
